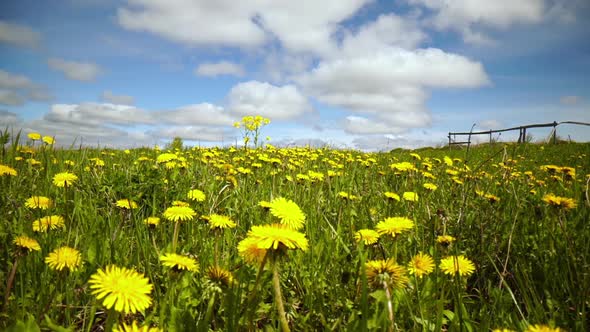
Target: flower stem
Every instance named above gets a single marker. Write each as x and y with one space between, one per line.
175 237
278 297
389 306
9 283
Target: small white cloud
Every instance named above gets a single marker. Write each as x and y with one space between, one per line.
570 100
79 71
17 34
109 97
11 98
7 119
220 68
194 115
98 114
260 98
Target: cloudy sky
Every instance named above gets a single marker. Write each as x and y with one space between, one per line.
350 73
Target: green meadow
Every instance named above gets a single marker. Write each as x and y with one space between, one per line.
378 232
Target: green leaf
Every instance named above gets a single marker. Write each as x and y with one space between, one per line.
29 325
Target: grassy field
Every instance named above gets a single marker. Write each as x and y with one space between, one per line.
492 238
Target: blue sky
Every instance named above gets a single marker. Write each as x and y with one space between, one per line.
362 74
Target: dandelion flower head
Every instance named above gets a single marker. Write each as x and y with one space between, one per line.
27 243
64 257
288 212
394 225
64 179
457 265
386 271
368 236
217 221
196 195
421 265
39 202
277 236
179 262
249 250
179 213
7 170
120 288
48 222
410 196
126 204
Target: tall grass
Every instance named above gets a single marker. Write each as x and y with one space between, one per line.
532 260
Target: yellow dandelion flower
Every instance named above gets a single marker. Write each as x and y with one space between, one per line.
249 250
448 161
7 170
48 222
457 265
560 202
410 196
394 225
180 203
124 289
64 257
380 272
542 328
503 330
392 196
166 158
445 239
421 264
265 205
288 212
403 167
196 195
135 328
179 213
217 221
277 237
27 243
48 140
152 221
368 236
64 179
491 198
346 196
39 202
34 136
179 262
430 186
126 204
220 276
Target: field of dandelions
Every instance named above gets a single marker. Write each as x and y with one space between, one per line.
495 238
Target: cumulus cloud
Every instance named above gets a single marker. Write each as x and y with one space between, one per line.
390 85
20 35
8 97
109 97
245 23
387 31
79 71
16 89
98 114
220 68
277 103
197 114
195 133
7 119
467 16
569 100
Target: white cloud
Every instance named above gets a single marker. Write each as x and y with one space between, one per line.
260 98
79 71
7 119
109 97
466 15
363 126
17 34
9 97
390 85
95 114
17 89
387 30
197 114
570 100
194 22
301 26
220 68
195 133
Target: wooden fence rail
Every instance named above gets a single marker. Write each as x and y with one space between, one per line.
522 132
